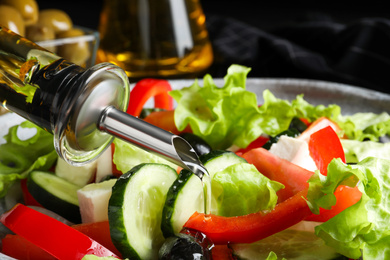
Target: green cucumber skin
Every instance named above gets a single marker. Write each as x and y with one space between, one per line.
63 208
115 215
217 153
181 182
210 156
169 207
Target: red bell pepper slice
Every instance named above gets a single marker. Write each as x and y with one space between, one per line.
346 197
53 236
318 124
147 88
100 232
293 177
28 199
259 142
252 227
324 146
20 248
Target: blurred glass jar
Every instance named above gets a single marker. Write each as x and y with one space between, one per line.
155 38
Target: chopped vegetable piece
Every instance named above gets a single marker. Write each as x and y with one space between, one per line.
28 222
147 88
100 232
20 248
288 244
259 142
318 124
252 227
27 197
165 120
293 177
55 194
324 146
135 210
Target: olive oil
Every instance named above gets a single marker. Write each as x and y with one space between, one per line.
155 38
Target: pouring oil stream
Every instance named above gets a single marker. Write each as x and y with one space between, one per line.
82 108
157 141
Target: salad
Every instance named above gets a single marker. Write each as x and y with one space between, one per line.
289 180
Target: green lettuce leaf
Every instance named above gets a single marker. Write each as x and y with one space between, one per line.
356 151
126 156
19 157
362 126
362 227
230 115
241 189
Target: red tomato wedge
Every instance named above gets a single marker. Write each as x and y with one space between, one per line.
252 227
324 146
293 177
51 235
146 89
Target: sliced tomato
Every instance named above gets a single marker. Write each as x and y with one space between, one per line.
51 235
165 120
252 227
324 146
146 89
293 177
259 142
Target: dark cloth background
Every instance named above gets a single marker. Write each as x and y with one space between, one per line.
343 42
316 48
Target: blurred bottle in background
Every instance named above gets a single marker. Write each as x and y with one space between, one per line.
155 38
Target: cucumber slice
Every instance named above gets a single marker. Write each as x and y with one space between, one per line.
218 160
135 208
185 196
55 194
288 244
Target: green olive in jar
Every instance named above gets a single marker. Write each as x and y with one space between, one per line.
55 18
77 52
39 33
27 8
12 19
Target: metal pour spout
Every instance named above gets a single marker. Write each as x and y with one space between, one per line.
151 138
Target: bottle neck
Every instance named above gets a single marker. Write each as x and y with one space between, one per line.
60 97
